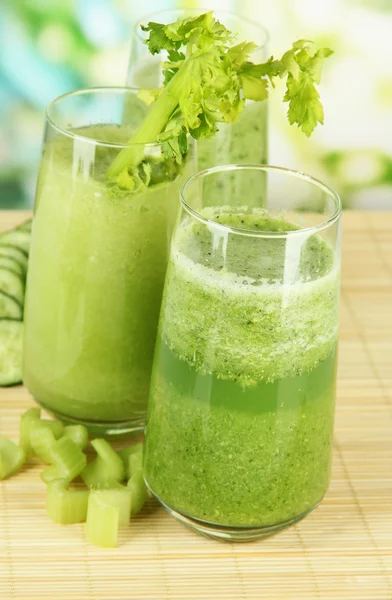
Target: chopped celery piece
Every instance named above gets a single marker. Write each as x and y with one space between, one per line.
135 463
31 419
107 511
126 453
109 456
68 459
102 522
42 442
78 434
27 421
12 457
139 492
50 474
66 506
106 468
56 427
120 496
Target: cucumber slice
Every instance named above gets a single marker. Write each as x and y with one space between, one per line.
10 308
17 237
11 283
7 262
11 341
15 253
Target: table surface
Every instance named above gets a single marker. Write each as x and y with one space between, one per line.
343 550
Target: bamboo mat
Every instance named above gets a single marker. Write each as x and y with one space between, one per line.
342 551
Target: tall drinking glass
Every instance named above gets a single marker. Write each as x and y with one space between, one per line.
241 408
97 264
246 140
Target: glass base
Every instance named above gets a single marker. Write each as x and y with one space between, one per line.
118 430
232 534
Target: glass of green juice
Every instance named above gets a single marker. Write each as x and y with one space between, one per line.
245 140
97 264
241 407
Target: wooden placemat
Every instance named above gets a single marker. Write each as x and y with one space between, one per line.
342 551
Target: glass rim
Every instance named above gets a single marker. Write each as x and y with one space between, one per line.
325 224
89 91
200 11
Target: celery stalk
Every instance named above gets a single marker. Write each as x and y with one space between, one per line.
12 457
102 522
27 421
107 467
68 459
56 427
150 128
42 442
31 419
107 511
66 506
50 474
126 453
135 463
120 496
139 492
78 434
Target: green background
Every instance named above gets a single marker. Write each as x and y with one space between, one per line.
48 47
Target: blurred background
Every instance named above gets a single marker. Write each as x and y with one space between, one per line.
48 47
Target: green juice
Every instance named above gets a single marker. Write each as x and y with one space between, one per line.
244 141
96 272
240 421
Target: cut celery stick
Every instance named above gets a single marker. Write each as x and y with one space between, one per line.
56 427
107 511
42 442
12 457
110 457
120 497
78 434
135 463
102 521
68 458
139 492
27 420
50 474
31 419
126 454
66 506
105 469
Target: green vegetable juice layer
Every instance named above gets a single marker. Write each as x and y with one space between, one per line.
96 271
241 405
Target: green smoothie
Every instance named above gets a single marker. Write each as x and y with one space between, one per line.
244 141
97 265
240 421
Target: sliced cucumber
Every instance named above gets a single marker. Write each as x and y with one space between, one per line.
12 284
7 262
15 253
17 237
11 341
10 308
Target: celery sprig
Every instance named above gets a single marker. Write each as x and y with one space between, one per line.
207 81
